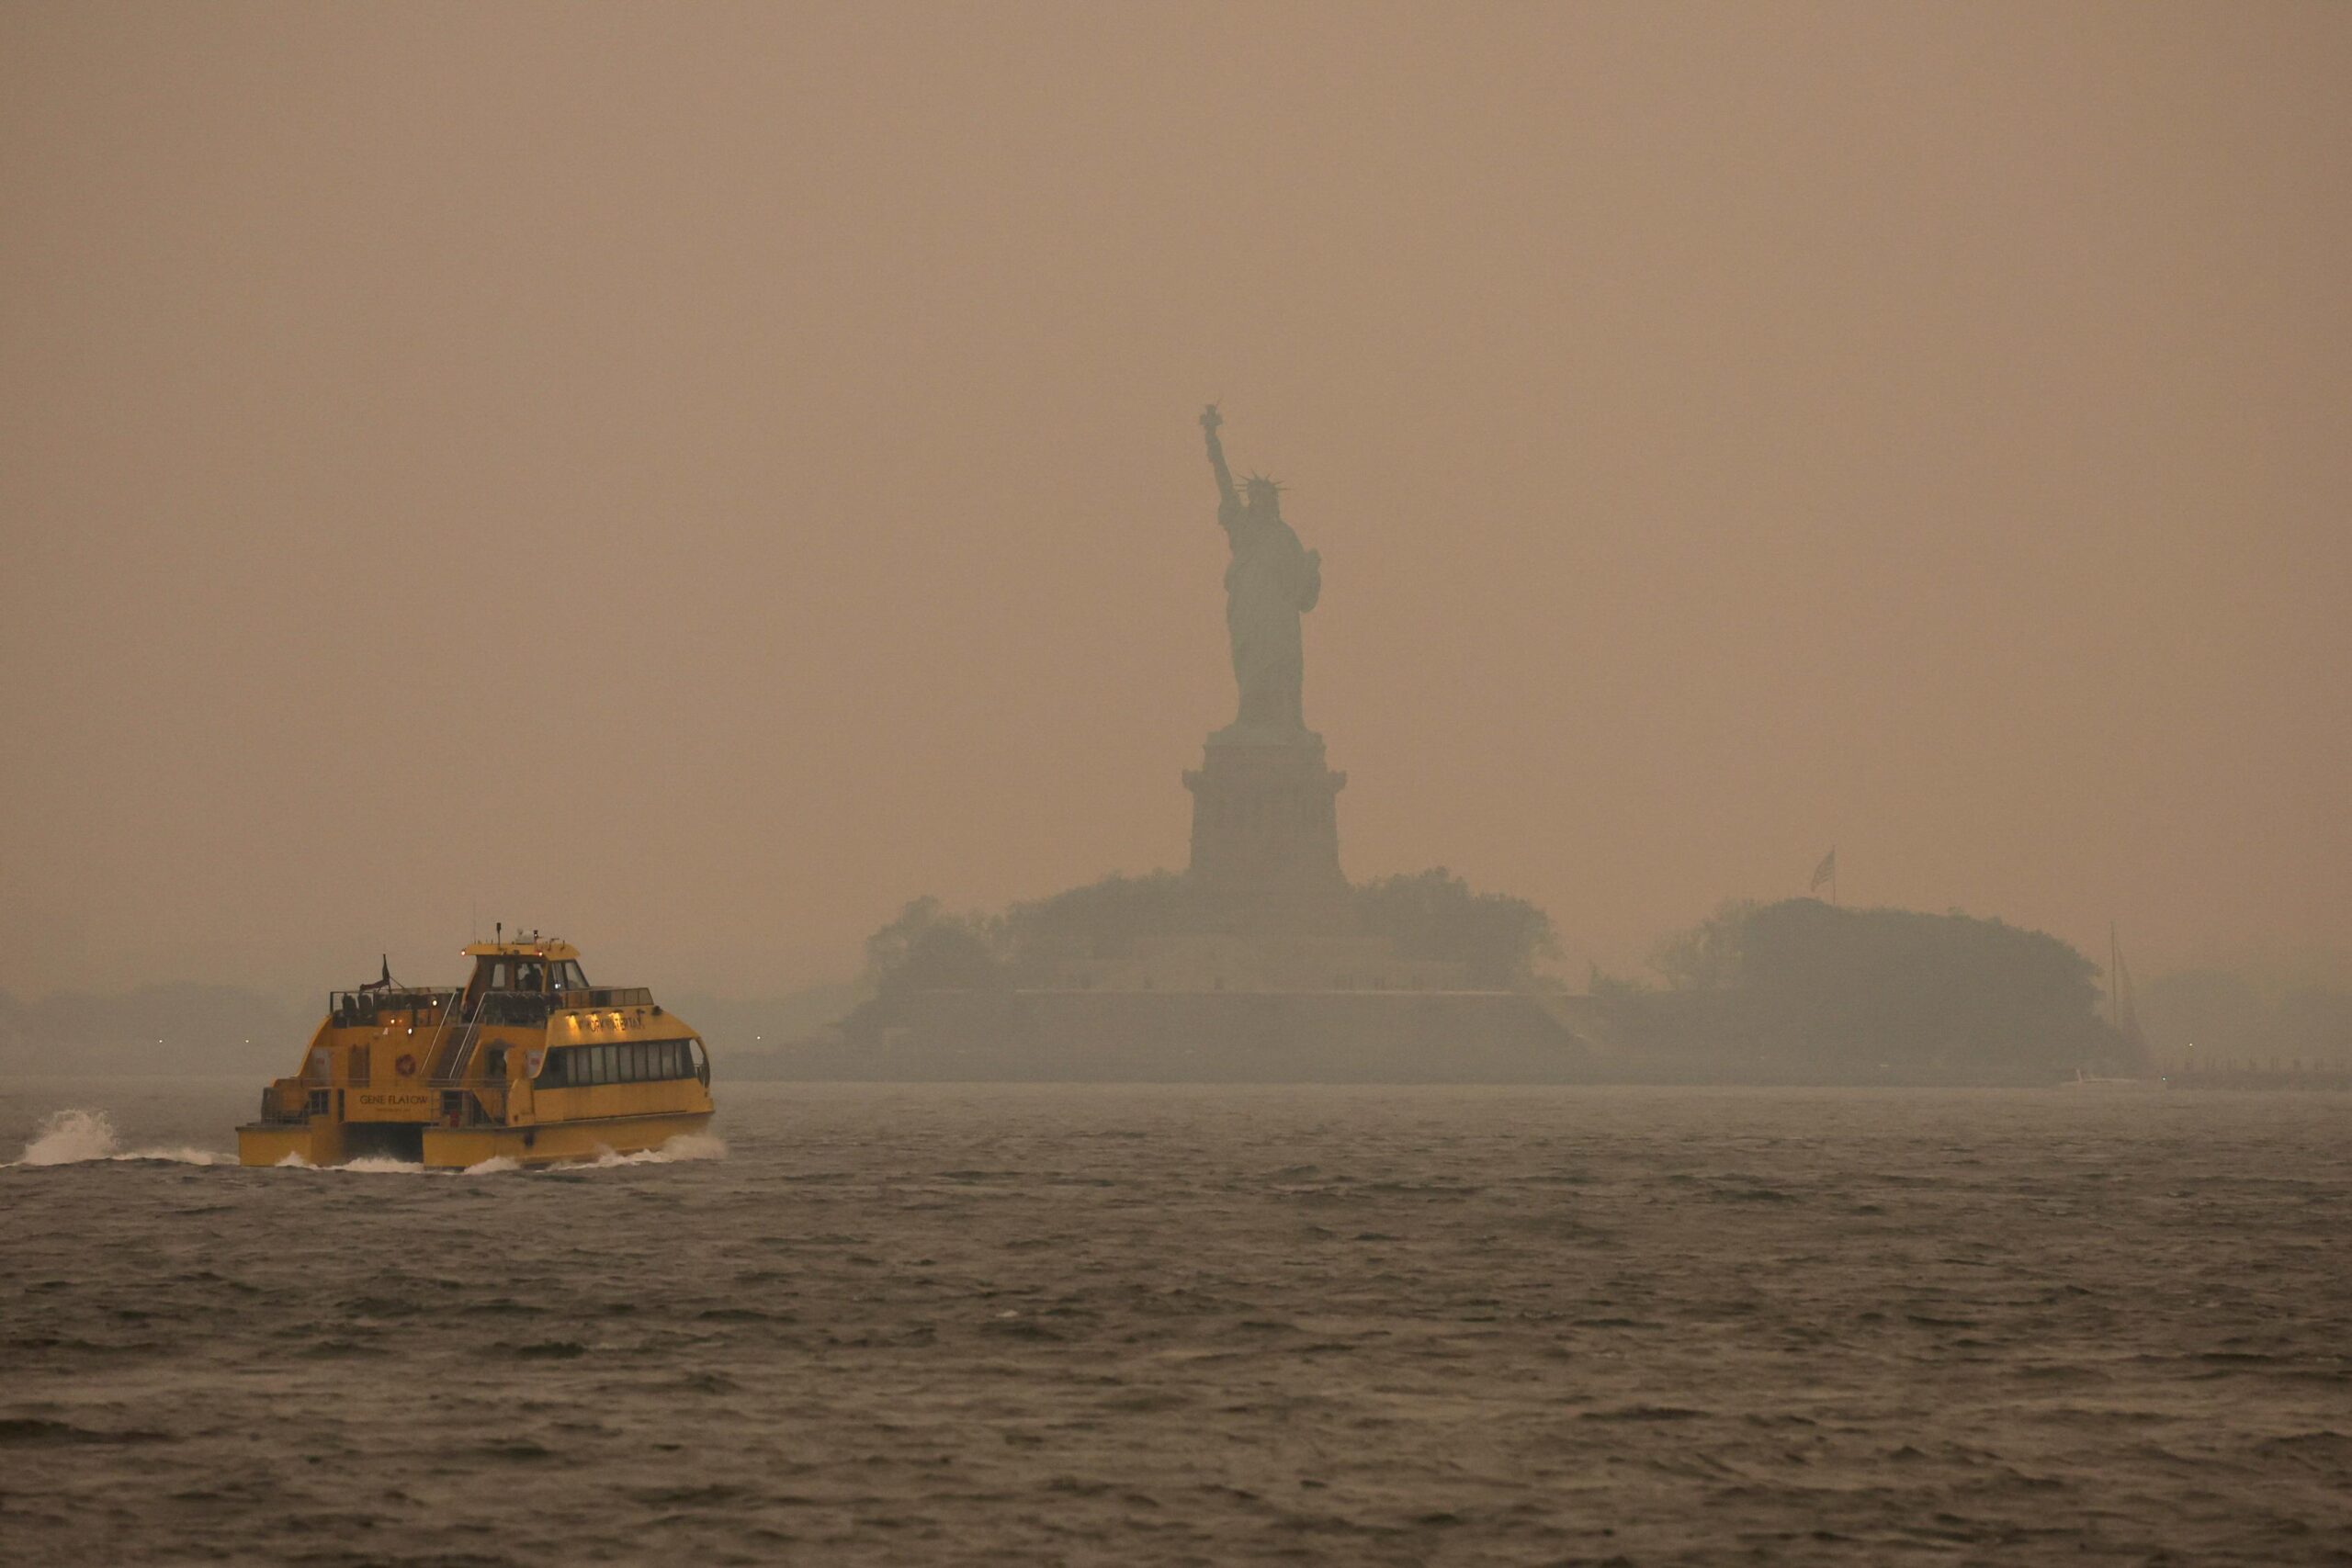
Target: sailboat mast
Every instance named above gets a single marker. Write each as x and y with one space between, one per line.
2115 981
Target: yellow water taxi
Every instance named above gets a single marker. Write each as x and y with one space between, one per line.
529 1062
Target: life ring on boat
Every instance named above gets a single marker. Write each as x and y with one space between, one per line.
405 1066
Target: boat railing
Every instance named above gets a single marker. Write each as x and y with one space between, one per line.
349 1009
466 1037
526 1008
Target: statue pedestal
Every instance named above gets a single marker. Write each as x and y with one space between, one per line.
1266 833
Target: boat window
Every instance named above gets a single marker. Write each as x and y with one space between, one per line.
568 976
644 1061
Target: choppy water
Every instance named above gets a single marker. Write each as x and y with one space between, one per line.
942 1324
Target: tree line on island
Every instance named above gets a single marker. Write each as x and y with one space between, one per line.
1431 915
1795 988
1805 988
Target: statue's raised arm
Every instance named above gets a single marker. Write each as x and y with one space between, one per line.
1228 500
1270 582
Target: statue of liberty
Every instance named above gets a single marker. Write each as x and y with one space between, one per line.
1270 582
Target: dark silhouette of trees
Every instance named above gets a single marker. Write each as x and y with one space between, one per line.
1437 915
1707 956
1803 985
1102 919
1431 915
926 948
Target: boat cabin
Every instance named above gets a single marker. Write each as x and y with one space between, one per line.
518 982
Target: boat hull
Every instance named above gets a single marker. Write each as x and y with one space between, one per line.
323 1142
553 1142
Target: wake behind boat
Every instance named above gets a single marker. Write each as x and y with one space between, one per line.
529 1062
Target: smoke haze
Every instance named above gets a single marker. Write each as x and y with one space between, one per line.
695 478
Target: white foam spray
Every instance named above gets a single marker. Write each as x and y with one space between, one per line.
76 1137
684 1146
366 1165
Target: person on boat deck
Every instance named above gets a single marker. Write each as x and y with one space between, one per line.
529 977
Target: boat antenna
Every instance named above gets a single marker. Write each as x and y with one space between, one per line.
500 928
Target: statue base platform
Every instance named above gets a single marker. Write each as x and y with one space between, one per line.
1266 833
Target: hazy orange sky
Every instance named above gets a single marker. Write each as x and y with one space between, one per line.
693 478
